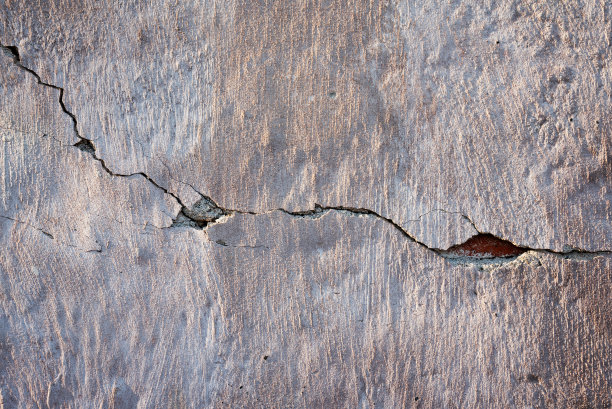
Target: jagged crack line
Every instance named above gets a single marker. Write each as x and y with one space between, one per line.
87 145
84 143
319 209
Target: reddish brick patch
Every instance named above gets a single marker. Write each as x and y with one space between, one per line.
485 246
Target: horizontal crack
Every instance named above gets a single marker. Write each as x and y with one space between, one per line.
483 247
206 212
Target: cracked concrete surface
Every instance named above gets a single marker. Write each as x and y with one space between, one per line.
449 228
303 204
421 105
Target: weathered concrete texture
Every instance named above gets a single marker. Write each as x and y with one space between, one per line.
51 186
328 312
248 204
495 110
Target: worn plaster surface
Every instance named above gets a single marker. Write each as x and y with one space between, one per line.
305 204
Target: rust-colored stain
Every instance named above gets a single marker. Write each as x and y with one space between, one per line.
486 246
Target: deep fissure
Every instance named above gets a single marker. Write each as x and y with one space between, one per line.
483 246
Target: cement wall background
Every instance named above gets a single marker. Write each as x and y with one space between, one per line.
311 203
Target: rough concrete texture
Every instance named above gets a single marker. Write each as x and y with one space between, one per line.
311 203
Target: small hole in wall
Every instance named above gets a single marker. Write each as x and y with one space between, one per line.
86 146
484 246
571 119
497 42
416 399
265 357
332 94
